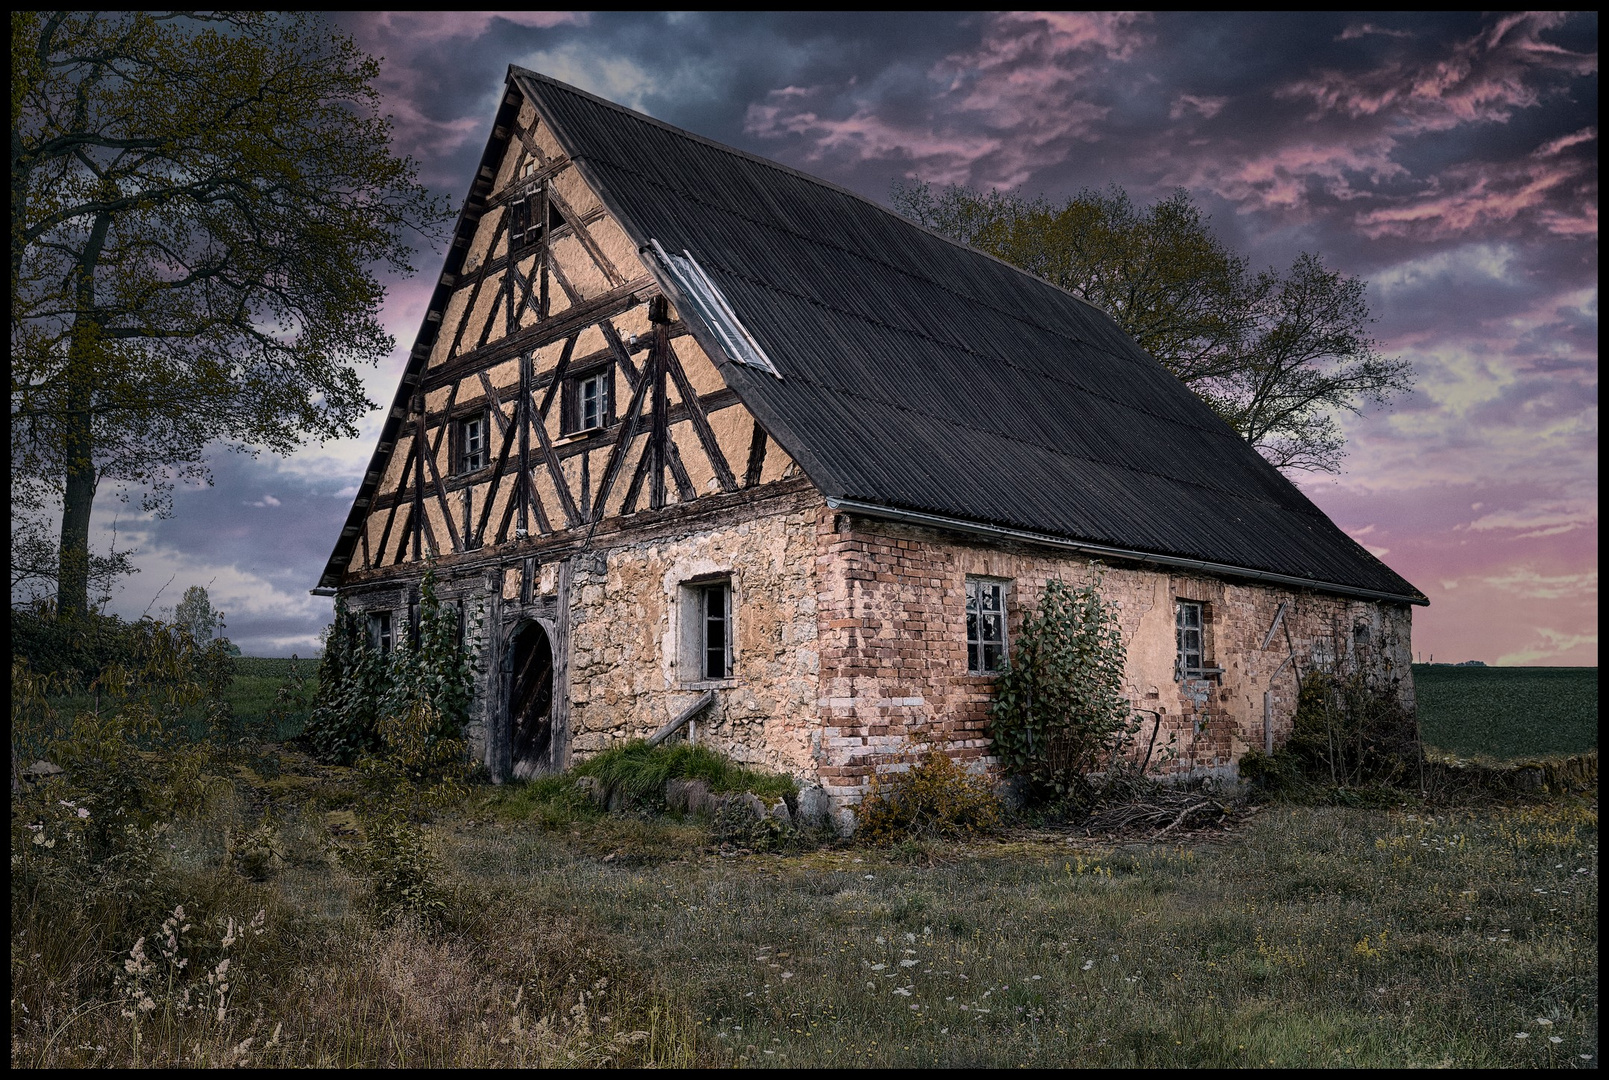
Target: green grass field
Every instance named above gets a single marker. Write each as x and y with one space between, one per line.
1316 936
1517 712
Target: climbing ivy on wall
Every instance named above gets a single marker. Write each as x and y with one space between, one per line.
351 676
411 705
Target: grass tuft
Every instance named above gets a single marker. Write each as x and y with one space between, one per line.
639 772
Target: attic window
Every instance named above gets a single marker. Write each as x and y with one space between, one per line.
588 402
470 440
700 293
525 218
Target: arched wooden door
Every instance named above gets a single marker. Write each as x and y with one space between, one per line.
530 702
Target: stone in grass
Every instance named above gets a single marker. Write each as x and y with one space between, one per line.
780 814
690 797
814 808
752 801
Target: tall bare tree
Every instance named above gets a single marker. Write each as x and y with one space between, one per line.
199 205
1277 355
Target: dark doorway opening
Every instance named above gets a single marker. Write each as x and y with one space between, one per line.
530 703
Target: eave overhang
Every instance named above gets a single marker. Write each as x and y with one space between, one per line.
1107 551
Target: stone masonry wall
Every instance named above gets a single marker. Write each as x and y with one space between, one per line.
891 605
625 643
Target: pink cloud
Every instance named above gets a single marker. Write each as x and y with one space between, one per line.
440 25
1283 176
1564 142
1366 29
1466 196
1003 109
1204 107
1359 121
1484 78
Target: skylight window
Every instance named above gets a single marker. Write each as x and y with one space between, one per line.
712 308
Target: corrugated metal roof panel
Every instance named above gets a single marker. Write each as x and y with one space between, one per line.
923 375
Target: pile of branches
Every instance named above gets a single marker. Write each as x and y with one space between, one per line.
1162 811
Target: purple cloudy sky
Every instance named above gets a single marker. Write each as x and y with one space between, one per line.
1451 160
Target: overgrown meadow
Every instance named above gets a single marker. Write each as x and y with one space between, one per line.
189 890
252 930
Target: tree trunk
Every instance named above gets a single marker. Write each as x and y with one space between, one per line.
78 433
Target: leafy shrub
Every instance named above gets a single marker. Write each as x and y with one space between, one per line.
424 745
1057 714
1350 731
400 863
935 800
411 705
637 773
351 677
78 650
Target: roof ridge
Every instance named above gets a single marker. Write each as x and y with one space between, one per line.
801 174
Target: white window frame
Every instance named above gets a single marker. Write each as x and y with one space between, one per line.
472 444
598 384
985 597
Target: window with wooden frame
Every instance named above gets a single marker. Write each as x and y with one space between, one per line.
1191 623
469 444
380 631
588 403
525 218
986 626
706 638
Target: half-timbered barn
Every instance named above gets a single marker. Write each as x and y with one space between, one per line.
683 425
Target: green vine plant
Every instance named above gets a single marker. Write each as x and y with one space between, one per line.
1058 715
405 712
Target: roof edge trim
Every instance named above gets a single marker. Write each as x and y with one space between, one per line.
914 517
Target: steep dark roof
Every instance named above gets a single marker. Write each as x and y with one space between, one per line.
922 375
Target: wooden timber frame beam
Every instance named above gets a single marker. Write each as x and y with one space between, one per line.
474 206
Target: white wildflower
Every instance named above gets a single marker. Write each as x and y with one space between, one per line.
1543 1021
1522 1035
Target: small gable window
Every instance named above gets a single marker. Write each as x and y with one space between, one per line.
525 218
587 402
470 435
986 626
